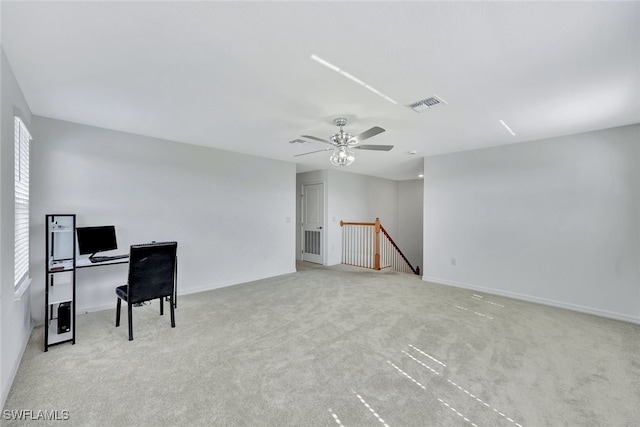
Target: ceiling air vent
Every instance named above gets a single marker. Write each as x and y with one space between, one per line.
426 104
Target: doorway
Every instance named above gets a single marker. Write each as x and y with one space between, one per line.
312 222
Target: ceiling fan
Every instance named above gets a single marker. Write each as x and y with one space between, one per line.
342 143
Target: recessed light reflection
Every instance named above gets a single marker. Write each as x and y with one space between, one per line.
507 127
375 414
351 77
481 298
422 363
429 356
335 418
325 63
454 384
439 400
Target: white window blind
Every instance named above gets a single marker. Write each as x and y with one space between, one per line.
21 159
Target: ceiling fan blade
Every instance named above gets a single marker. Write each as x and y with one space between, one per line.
311 152
368 133
373 147
315 138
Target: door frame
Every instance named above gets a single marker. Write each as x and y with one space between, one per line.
323 234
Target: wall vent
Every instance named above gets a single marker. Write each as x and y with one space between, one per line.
426 104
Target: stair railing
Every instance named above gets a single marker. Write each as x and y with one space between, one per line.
369 245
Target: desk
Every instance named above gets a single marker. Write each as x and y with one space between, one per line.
86 263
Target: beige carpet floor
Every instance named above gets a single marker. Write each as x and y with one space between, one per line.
337 347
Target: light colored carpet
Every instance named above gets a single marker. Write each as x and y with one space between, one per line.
338 347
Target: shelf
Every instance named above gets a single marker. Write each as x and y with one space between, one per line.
60 292
59 266
55 337
61 230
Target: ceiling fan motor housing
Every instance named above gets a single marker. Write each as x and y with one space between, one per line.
340 121
342 138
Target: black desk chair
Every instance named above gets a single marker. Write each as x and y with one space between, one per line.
152 274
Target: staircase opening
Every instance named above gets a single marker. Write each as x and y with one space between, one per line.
369 245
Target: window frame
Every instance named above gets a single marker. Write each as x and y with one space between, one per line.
22 138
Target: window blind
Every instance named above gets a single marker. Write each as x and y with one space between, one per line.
21 161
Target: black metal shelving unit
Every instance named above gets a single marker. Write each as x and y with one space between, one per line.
60 280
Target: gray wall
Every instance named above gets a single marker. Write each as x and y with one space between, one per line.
555 221
233 215
15 314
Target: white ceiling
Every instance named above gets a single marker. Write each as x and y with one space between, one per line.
239 75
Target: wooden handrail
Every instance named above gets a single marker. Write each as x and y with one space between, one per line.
371 224
378 227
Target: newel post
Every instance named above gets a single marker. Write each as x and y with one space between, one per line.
377 255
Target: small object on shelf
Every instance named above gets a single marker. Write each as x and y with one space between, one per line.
64 317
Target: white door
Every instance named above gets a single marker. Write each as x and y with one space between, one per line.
312 222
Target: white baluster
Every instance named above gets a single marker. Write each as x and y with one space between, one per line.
344 231
360 232
350 245
371 251
345 245
367 248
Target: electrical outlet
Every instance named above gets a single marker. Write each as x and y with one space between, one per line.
453 261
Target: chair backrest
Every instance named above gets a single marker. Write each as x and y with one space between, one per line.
152 270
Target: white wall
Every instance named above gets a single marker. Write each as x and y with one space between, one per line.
233 215
15 314
555 221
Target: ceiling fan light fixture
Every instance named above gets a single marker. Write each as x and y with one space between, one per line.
342 157
343 138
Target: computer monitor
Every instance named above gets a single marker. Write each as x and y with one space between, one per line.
92 240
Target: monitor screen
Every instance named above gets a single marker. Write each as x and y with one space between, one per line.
96 239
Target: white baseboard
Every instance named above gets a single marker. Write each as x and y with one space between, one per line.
235 282
537 300
112 304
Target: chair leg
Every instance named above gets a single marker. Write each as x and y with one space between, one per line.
118 311
130 313
173 316
161 306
